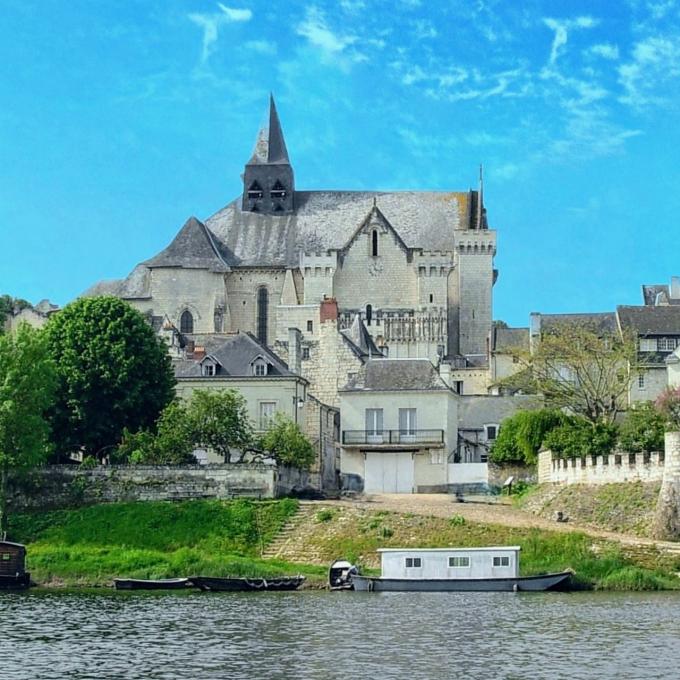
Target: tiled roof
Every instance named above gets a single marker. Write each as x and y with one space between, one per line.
598 322
396 374
646 320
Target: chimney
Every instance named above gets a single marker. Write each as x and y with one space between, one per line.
329 309
534 330
674 289
199 352
294 351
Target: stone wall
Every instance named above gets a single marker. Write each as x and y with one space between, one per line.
614 468
667 519
60 486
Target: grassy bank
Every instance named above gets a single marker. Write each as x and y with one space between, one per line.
92 545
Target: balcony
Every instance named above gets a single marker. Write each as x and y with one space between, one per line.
392 438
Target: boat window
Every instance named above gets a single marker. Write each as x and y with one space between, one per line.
6 556
414 562
501 561
462 561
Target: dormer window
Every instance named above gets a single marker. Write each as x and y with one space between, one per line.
209 367
255 192
208 370
260 367
278 191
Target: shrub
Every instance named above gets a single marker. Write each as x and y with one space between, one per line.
579 437
521 436
642 429
325 515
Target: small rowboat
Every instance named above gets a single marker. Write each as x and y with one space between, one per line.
247 584
151 584
340 575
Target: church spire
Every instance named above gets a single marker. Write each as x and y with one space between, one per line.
269 185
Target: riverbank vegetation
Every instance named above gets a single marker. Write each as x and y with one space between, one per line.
91 546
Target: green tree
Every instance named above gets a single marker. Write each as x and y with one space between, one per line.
114 373
579 437
287 444
219 420
521 436
579 368
27 388
642 429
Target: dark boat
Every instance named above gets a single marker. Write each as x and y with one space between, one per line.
151 584
245 584
13 574
340 575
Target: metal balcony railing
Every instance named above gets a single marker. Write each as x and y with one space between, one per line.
402 437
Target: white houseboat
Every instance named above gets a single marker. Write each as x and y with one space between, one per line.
454 569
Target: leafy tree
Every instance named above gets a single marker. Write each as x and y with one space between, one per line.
521 436
7 305
642 429
287 444
27 387
668 404
580 437
114 373
219 420
172 444
578 368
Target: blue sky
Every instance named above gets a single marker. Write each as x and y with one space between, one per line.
119 120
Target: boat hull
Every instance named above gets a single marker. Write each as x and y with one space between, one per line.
559 581
151 584
21 582
247 584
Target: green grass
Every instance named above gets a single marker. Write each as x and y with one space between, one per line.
92 545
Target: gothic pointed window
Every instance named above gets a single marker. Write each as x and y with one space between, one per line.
369 314
262 314
278 191
374 243
255 191
186 322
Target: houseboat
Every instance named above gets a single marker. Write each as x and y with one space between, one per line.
456 569
13 574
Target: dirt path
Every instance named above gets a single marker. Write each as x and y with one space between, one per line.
481 510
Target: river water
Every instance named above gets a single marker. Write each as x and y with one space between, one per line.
48 634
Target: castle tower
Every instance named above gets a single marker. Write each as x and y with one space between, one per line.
268 182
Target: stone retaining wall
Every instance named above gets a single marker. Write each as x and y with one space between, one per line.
60 486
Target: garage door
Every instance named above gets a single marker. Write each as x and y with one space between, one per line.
389 472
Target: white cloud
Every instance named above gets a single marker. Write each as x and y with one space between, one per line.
317 32
605 50
261 46
211 24
424 29
561 27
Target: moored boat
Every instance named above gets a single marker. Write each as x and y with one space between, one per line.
151 584
218 584
456 569
340 575
13 574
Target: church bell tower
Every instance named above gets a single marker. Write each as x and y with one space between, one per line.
268 182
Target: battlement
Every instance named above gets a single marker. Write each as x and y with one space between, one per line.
482 242
322 264
433 263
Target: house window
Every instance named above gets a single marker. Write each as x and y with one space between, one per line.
374 422
458 386
369 314
374 243
259 368
407 422
491 432
641 381
267 410
186 322
305 352
667 344
208 369
413 562
459 562
648 344
262 314
501 561
310 326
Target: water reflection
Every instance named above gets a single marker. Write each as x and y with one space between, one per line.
339 635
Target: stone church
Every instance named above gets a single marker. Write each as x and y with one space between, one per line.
415 267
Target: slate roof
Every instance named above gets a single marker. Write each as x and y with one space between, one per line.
234 352
270 146
360 340
389 375
646 320
599 322
328 219
194 247
505 339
